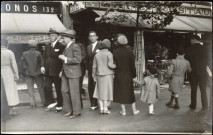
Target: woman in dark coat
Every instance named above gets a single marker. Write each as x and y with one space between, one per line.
124 73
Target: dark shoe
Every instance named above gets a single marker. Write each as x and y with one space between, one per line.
169 105
192 107
74 116
176 107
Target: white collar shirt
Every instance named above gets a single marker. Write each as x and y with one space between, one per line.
54 43
94 45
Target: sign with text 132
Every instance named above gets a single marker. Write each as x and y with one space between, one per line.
31 7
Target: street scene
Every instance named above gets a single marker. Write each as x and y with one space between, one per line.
120 67
166 120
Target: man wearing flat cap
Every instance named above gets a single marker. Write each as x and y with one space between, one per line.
70 74
51 67
31 64
197 56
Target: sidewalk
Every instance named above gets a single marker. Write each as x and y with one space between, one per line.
166 119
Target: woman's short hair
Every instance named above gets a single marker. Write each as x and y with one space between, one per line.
105 44
181 51
4 42
152 70
32 43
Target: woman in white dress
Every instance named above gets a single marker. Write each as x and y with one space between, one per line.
9 73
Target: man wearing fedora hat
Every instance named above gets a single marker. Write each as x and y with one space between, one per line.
70 74
197 56
51 67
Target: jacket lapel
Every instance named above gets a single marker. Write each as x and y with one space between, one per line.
67 49
96 47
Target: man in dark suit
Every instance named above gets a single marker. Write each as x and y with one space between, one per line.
70 74
92 49
51 67
198 56
31 63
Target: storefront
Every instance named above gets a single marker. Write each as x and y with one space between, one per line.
192 18
23 21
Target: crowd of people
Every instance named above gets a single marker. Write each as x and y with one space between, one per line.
111 74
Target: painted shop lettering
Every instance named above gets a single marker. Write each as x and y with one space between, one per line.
30 7
26 8
195 11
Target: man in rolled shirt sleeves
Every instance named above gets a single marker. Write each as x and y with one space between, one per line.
51 67
70 75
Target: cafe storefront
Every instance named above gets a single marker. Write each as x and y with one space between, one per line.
192 19
23 21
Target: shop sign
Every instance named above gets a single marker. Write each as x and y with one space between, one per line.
183 10
30 7
194 11
77 7
24 38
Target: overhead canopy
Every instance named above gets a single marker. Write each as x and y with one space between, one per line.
179 23
30 23
200 24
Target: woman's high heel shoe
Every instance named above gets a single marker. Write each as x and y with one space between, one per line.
123 113
107 112
101 111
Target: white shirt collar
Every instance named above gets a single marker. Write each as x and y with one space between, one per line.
53 43
94 45
69 44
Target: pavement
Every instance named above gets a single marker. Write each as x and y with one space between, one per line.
166 120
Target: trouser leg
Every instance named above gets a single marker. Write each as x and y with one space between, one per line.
194 84
40 81
48 90
30 86
75 95
57 82
91 89
81 89
67 104
203 86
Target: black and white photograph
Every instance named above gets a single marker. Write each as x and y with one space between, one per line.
106 67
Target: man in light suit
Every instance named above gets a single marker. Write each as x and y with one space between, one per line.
51 67
92 49
70 74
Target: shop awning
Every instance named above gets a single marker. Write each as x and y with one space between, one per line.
179 23
200 24
30 23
